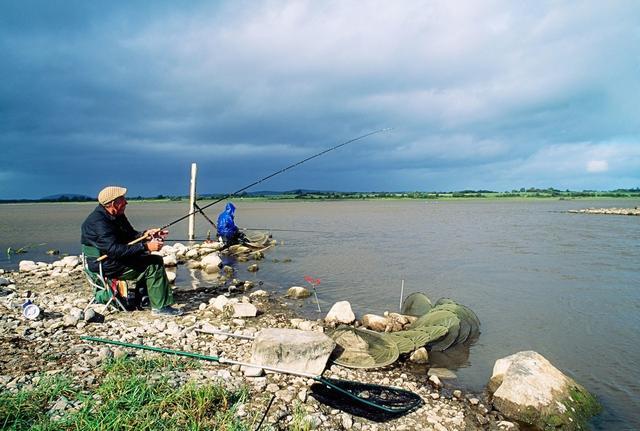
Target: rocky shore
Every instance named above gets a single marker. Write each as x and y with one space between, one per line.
51 344
612 211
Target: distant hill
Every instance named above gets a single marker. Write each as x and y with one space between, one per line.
288 192
67 197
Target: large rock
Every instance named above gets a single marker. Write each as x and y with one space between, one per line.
399 321
167 250
292 349
420 356
74 316
71 261
192 254
526 387
240 309
211 259
171 276
298 292
211 246
170 260
27 266
178 248
259 294
220 302
374 322
340 313
211 269
67 262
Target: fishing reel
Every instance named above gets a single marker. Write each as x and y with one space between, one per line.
160 235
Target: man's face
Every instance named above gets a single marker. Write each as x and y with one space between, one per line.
118 206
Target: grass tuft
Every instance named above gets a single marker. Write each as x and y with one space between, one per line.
299 421
134 394
27 409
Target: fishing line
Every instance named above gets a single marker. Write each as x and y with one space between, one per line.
264 229
200 209
204 215
261 229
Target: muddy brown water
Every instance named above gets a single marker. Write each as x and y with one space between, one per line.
565 285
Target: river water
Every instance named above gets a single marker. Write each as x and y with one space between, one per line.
564 285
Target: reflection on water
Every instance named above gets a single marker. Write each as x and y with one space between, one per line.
565 285
194 280
454 357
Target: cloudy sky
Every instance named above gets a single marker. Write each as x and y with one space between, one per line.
480 95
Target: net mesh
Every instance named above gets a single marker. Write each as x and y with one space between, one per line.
416 304
361 348
374 402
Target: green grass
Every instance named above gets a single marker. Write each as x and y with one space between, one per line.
134 394
299 421
26 409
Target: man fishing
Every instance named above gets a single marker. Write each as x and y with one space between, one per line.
228 232
108 230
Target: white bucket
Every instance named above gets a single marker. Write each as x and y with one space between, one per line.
30 310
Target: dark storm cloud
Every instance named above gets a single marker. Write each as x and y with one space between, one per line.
480 95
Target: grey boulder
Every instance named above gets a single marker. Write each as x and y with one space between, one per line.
528 388
292 349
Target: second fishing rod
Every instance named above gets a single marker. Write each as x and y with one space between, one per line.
227 196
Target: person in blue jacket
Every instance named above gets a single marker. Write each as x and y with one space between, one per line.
228 232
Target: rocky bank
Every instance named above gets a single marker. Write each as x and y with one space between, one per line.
51 344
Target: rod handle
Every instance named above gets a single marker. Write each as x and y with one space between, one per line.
135 241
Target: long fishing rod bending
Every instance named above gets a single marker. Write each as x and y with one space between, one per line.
200 209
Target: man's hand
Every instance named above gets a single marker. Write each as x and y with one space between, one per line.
154 245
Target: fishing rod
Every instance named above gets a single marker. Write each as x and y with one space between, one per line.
255 183
197 207
200 209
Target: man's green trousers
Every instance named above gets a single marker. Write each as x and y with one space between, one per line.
150 269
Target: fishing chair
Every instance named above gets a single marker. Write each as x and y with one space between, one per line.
99 282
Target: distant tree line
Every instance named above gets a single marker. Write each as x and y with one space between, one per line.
334 195
56 199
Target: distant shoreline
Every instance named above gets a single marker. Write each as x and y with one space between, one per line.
350 196
613 211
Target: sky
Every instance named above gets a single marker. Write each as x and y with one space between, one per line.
493 95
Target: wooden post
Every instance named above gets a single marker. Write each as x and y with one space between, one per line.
192 201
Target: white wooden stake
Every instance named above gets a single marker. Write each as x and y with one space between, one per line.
192 202
401 295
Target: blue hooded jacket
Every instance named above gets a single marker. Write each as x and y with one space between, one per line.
227 229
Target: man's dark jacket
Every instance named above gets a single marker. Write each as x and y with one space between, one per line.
110 234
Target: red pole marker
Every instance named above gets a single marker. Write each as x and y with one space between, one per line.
314 282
